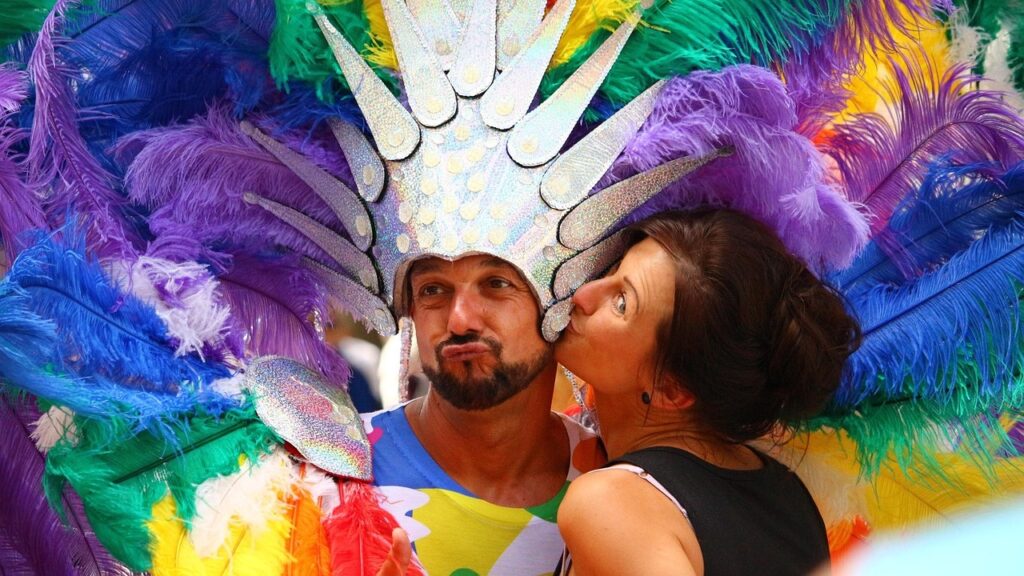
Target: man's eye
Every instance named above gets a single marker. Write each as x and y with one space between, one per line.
498 283
430 290
620 304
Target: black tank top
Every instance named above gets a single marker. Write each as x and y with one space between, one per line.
746 521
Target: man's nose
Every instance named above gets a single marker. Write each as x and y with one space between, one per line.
588 296
466 314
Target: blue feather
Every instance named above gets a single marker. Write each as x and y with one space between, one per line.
68 335
160 62
950 336
941 219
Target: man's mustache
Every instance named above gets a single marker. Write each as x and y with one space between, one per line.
457 339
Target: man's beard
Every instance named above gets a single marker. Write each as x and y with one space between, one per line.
473 392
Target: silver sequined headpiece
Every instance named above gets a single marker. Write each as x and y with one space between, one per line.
470 169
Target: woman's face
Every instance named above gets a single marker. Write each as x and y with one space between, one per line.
611 339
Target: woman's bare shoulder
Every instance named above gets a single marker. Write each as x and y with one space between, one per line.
611 519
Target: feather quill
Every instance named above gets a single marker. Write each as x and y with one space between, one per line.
359 531
121 475
46 545
973 301
936 118
307 543
774 174
956 206
58 153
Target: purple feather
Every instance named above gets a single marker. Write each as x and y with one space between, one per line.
58 153
816 79
13 89
277 305
193 178
33 530
936 118
22 210
774 174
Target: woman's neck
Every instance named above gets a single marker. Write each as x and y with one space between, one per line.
628 426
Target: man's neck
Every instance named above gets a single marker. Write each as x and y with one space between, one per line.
515 454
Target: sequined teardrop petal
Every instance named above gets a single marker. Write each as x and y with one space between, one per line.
573 174
588 264
367 169
430 94
474 65
556 319
461 8
585 224
394 129
352 260
440 26
517 22
312 415
342 200
543 132
364 306
510 95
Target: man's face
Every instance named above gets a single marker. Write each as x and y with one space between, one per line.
476 326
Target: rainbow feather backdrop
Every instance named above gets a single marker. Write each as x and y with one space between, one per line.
120 152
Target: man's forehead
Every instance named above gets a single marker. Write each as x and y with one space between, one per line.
434 264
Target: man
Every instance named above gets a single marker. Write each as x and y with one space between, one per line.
474 471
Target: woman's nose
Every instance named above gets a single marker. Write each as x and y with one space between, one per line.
588 296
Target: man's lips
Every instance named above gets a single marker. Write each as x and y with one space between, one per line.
469 351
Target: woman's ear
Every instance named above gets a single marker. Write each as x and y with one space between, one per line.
672 395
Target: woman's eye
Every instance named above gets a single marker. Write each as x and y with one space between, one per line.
620 304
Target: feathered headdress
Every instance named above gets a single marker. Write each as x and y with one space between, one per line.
213 177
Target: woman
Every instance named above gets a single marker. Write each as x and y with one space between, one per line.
707 335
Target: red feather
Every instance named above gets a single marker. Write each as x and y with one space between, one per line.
359 533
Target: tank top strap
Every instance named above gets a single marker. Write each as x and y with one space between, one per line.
648 478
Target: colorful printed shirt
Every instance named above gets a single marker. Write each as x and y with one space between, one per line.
453 532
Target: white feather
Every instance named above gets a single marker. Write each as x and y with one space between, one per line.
998 74
184 296
250 497
230 387
323 489
55 424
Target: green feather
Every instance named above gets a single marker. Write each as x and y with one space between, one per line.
120 475
680 36
298 50
21 17
912 430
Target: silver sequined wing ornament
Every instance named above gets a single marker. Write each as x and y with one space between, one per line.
314 416
470 168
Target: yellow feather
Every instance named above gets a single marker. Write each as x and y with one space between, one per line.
894 500
924 44
587 18
381 52
244 552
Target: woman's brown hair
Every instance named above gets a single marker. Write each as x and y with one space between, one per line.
754 336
